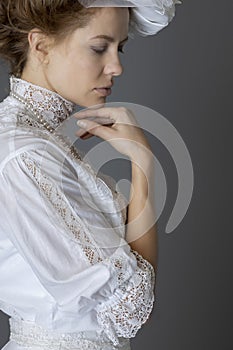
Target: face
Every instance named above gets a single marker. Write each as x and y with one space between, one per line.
82 62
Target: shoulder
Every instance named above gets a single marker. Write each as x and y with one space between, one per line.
15 141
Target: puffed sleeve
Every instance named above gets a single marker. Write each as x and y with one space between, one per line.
47 232
54 240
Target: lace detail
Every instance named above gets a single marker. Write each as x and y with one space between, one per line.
131 305
57 199
52 107
24 119
28 334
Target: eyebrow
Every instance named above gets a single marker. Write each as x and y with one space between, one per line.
109 38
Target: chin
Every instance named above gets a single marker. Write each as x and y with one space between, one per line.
89 102
95 102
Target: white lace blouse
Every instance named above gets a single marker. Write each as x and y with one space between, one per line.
68 278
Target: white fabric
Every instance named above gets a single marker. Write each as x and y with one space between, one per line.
148 16
67 275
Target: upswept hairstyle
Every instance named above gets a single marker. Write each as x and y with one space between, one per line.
56 18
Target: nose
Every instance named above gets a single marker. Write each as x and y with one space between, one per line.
113 66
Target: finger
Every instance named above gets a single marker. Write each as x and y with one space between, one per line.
96 129
101 120
106 112
86 136
116 114
81 132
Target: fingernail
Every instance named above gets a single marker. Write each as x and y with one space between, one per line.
82 123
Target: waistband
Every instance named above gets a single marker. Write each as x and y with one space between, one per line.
29 334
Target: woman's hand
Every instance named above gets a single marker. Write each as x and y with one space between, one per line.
116 125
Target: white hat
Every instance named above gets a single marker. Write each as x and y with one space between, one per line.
148 16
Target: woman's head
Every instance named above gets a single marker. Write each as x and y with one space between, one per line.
50 43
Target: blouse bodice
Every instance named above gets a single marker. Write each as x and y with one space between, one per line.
66 269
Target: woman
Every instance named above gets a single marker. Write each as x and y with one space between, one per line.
71 274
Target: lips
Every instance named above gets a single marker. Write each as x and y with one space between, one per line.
104 91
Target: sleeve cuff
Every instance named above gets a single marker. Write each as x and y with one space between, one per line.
131 304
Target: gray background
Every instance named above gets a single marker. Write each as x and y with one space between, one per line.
185 73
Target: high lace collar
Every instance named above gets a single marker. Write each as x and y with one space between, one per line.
52 107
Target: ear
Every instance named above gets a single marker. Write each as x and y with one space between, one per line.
39 44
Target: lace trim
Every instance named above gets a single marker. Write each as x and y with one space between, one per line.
59 203
29 334
53 107
24 119
131 305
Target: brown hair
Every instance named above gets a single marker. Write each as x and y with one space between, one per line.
53 17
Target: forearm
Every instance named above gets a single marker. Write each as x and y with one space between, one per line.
141 232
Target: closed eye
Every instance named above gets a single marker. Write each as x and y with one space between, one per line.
100 50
